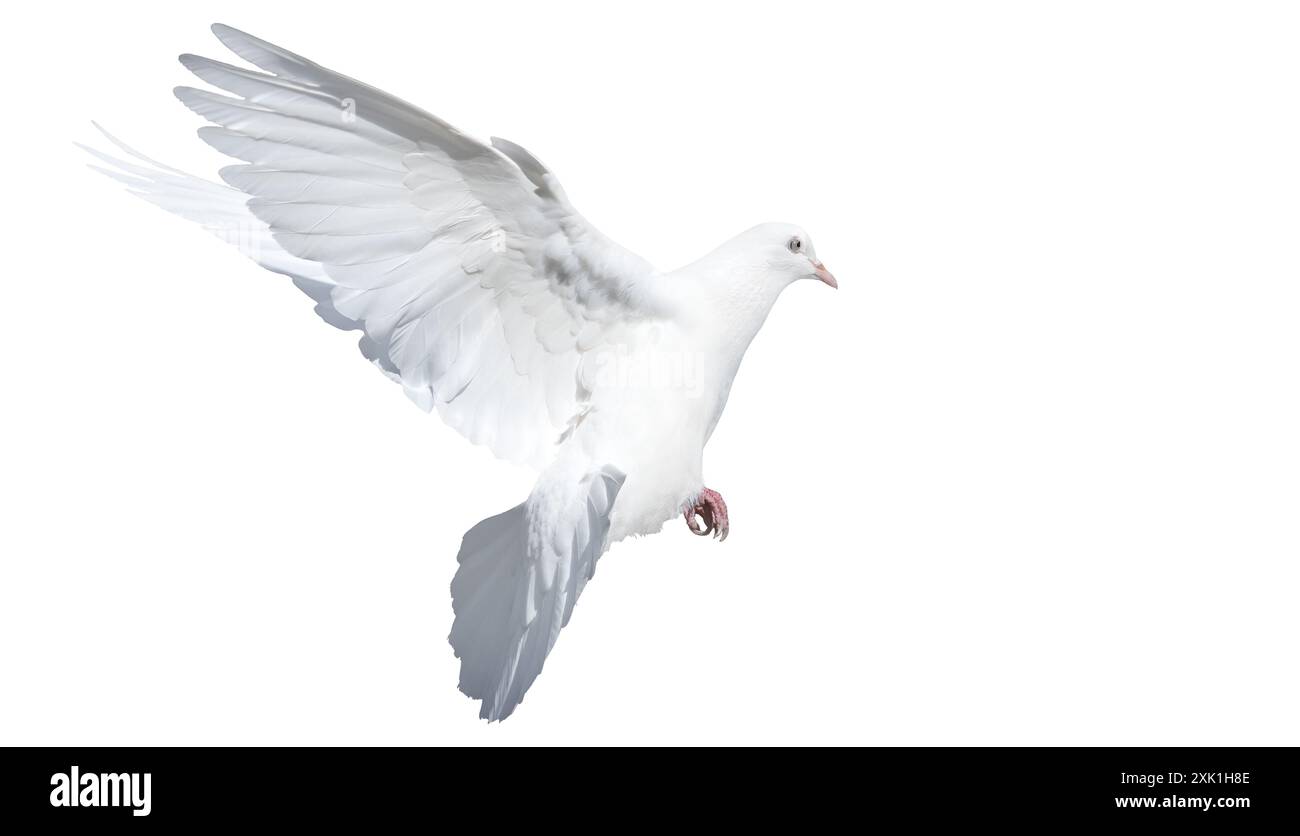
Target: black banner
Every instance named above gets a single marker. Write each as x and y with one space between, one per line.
1147 787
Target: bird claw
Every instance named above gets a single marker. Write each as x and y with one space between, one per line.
710 508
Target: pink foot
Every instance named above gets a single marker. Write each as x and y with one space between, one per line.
713 511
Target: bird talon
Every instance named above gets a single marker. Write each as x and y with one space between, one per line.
713 512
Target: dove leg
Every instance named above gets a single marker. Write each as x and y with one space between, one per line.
711 508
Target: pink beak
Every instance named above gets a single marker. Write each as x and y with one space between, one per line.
824 275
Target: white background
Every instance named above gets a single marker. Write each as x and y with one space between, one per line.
1030 477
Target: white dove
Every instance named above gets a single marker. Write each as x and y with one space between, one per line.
481 290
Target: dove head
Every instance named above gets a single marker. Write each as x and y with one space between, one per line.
753 268
790 254
740 281
771 257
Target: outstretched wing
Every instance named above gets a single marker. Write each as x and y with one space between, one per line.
477 285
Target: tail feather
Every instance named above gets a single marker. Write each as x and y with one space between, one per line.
489 556
520 574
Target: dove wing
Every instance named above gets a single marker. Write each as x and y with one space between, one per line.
477 285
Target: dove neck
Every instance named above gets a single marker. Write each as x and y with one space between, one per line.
729 319
729 316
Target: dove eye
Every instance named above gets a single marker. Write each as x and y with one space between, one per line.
795 245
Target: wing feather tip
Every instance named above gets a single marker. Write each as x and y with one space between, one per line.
188 60
224 30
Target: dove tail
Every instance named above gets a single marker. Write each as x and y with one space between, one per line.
520 574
